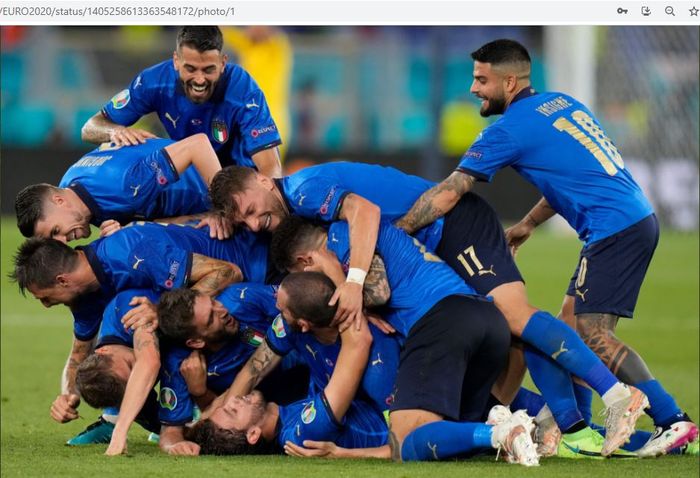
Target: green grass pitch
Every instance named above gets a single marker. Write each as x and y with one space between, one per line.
35 343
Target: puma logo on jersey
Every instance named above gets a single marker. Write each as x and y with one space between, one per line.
582 295
252 105
487 271
311 351
170 118
213 373
560 351
136 189
242 296
301 199
433 448
378 361
333 239
138 261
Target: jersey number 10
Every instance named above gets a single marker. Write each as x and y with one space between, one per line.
592 138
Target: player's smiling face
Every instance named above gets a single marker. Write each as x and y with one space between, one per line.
199 71
63 222
259 207
488 86
240 413
213 324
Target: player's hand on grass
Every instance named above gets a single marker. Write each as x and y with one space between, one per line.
319 449
184 448
65 408
109 227
194 371
516 235
219 226
143 315
122 136
380 323
116 447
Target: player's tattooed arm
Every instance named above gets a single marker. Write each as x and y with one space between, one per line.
517 234
539 213
79 352
436 202
210 276
259 365
376 289
98 129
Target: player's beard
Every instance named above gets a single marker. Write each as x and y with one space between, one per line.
496 106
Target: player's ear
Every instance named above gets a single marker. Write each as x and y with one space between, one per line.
253 434
58 199
265 181
224 59
304 260
62 280
304 325
175 60
195 343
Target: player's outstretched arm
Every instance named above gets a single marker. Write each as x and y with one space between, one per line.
519 233
328 449
172 441
268 162
347 374
65 407
259 365
363 219
210 276
99 129
195 150
436 202
141 380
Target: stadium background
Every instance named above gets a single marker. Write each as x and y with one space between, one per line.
390 95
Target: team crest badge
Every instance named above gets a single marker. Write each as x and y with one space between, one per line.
278 327
308 414
253 337
121 99
219 131
168 398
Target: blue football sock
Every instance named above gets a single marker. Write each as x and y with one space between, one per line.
555 385
110 411
529 401
637 440
664 409
560 342
584 400
440 440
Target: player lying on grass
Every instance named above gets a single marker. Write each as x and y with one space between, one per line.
86 278
113 185
250 425
470 239
210 341
197 91
557 144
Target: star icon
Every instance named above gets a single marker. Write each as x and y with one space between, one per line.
694 11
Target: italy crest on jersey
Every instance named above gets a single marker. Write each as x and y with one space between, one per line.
121 99
168 398
308 414
253 337
219 131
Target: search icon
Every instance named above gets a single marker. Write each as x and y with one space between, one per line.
669 11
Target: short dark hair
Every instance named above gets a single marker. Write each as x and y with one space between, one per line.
214 440
29 206
97 385
502 51
294 234
309 294
176 314
200 38
227 182
39 260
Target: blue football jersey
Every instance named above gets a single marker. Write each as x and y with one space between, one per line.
159 256
111 330
557 144
87 313
312 419
418 279
135 182
379 376
236 118
253 306
317 193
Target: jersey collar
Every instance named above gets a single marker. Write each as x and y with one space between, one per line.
522 94
89 201
95 264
